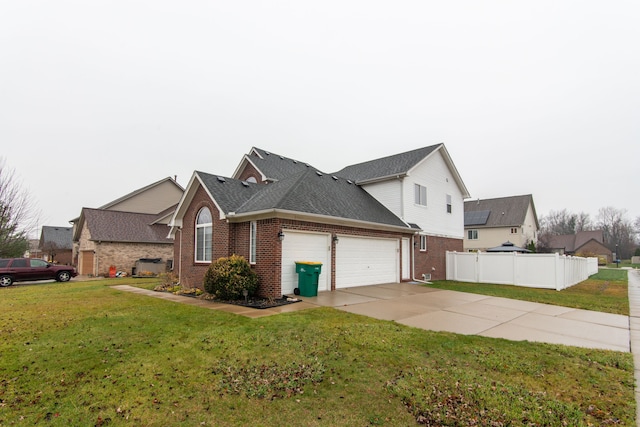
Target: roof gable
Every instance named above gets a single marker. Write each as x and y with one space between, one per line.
60 237
273 167
400 165
169 183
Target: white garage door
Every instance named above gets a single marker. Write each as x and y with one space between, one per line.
305 247
363 261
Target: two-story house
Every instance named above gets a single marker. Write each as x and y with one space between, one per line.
381 221
491 222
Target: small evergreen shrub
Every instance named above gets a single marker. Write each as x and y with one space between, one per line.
227 278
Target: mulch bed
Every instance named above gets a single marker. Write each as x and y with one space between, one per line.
262 303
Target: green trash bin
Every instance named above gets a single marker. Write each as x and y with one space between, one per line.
308 273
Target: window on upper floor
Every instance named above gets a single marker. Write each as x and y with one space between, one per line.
448 203
253 232
252 179
472 234
204 235
420 194
514 230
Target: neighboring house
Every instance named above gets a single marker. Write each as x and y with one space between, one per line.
112 238
589 243
129 228
491 222
56 244
382 221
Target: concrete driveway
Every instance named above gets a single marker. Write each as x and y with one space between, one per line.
472 314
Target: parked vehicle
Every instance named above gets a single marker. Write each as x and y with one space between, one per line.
27 269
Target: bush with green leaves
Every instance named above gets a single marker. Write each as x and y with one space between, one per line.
227 278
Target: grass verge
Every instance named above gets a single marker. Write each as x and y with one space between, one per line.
81 353
605 291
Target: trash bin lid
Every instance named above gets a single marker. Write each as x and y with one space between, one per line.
308 262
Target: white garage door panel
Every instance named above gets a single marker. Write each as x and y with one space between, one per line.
361 261
305 247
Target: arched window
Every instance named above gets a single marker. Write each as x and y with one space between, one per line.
204 241
252 180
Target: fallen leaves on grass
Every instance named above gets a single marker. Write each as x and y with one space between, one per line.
271 380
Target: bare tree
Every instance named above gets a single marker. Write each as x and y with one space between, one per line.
559 222
619 233
583 222
17 214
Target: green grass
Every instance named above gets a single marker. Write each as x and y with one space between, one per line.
82 353
605 291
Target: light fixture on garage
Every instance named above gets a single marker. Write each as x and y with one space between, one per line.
335 239
280 235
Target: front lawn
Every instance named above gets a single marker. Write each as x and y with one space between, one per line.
82 353
605 291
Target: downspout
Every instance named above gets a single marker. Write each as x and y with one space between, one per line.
180 258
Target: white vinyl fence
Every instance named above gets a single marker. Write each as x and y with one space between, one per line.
548 271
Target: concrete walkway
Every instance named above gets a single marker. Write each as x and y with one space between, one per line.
473 314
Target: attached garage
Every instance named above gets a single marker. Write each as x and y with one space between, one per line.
366 261
300 246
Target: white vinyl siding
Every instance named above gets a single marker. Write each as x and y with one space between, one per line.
434 174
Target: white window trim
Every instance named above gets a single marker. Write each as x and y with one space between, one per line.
449 204
203 226
423 243
419 195
472 233
253 233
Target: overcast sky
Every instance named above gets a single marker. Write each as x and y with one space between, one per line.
99 98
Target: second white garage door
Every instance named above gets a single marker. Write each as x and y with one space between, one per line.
363 261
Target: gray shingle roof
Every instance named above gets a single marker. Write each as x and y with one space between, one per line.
306 192
504 211
572 242
61 237
116 226
398 164
276 167
229 193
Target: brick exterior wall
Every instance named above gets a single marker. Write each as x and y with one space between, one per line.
433 261
125 255
191 272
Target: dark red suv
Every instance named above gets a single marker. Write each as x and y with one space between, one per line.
27 269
